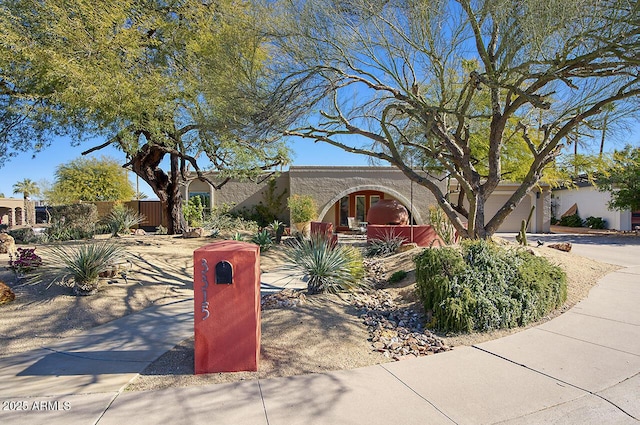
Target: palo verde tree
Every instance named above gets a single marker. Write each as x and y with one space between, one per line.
453 87
173 84
90 180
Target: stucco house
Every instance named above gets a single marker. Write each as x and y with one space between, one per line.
591 202
341 192
12 211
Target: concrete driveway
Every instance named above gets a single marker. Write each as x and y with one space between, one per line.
620 250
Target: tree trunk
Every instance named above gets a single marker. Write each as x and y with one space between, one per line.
166 186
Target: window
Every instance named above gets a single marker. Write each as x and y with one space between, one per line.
344 211
361 211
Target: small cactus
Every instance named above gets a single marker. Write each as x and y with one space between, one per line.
521 237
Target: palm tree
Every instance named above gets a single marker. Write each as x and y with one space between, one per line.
27 187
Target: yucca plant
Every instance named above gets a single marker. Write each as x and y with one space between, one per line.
330 268
85 263
122 219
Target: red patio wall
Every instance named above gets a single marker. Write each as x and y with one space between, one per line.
423 235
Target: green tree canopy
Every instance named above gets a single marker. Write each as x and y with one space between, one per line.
90 180
177 84
623 180
459 89
26 187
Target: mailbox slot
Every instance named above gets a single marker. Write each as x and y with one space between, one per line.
224 273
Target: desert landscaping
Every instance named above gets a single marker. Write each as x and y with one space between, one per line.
300 333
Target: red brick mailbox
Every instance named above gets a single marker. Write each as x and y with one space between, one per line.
227 307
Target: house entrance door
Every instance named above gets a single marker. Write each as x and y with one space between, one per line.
356 205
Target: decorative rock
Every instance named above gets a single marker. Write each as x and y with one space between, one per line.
407 247
7 244
6 294
283 299
564 246
197 232
139 232
397 333
375 272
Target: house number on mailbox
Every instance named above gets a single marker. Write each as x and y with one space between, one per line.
205 285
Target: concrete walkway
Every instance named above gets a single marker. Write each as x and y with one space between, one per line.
582 367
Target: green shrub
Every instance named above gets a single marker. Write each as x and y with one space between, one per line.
303 208
355 264
330 267
277 230
72 222
571 221
25 235
222 219
397 276
193 211
595 223
483 287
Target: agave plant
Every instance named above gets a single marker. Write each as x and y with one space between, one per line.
263 239
386 245
330 268
277 228
85 263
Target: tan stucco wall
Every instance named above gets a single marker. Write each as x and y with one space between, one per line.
243 194
541 218
328 184
12 211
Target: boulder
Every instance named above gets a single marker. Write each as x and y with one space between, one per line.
407 247
563 246
197 232
6 294
7 244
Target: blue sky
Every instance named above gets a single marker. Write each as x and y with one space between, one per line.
305 152
43 166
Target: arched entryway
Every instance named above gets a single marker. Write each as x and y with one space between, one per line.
12 211
356 201
201 189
